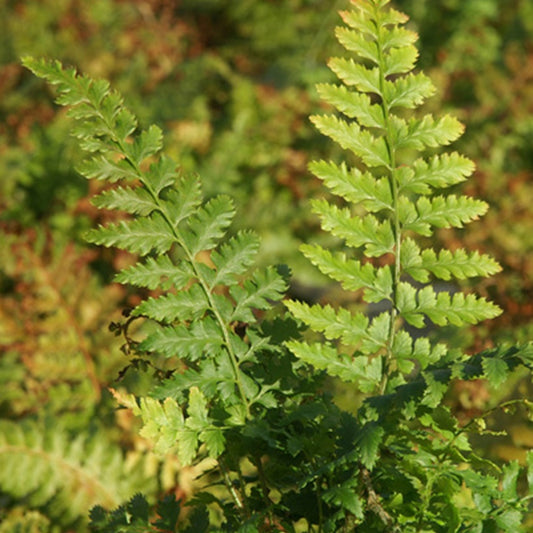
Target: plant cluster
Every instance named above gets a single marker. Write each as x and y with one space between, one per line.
240 387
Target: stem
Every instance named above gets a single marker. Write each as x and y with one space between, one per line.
374 503
426 499
262 479
319 505
229 485
389 357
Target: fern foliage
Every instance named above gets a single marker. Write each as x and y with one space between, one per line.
182 240
393 190
63 475
228 381
134 516
240 389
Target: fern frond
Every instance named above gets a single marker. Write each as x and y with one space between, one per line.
353 105
353 74
187 251
375 236
156 272
134 517
172 430
427 132
47 467
208 225
24 521
233 258
372 150
135 201
445 265
366 373
439 171
352 274
257 293
202 338
408 92
439 211
389 196
355 186
140 236
185 305
335 324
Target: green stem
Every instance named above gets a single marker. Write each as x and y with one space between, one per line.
229 485
397 229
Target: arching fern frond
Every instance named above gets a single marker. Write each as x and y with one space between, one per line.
205 316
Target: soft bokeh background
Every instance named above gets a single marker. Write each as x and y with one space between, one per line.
232 85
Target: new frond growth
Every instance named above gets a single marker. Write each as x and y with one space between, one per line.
393 188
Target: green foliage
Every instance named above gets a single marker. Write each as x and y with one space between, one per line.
409 442
63 474
176 218
482 80
228 377
400 201
236 392
135 516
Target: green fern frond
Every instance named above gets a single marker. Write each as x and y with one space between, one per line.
438 171
371 149
335 324
394 191
185 249
156 272
141 236
234 257
359 369
441 308
62 474
440 212
352 274
445 265
375 235
20 520
134 517
418 134
355 186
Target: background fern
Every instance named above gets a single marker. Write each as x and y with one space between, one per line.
64 475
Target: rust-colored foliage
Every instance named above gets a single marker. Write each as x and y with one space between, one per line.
54 315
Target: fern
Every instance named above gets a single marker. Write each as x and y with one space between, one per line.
62 474
197 320
382 201
231 391
134 516
227 372
23 521
398 193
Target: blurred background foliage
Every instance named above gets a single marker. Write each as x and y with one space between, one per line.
232 85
